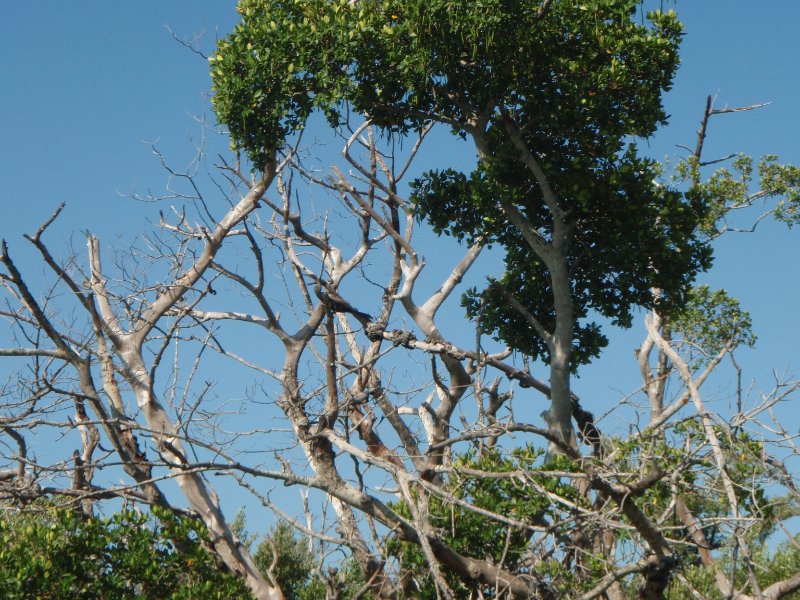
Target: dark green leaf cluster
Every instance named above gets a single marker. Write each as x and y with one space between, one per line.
57 553
585 67
630 236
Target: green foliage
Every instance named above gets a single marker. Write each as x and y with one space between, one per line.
479 536
777 565
397 60
56 553
782 180
697 481
629 236
294 569
731 188
580 79
688 456
530 497
711 321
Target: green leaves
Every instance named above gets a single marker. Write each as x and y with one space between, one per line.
294 568
711 321
520 496
56 553
578 81
432 60
782 181
729 189
262 74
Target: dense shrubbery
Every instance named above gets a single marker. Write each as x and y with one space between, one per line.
51 552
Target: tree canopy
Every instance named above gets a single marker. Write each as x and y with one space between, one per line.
52 552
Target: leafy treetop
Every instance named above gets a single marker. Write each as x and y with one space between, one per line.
565 85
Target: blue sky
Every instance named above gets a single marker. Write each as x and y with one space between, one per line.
86 86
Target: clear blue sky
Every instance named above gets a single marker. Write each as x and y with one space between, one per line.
85 84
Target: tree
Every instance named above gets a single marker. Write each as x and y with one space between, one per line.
404 431
549 97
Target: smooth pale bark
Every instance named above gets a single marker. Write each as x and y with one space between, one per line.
554 254
129 346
